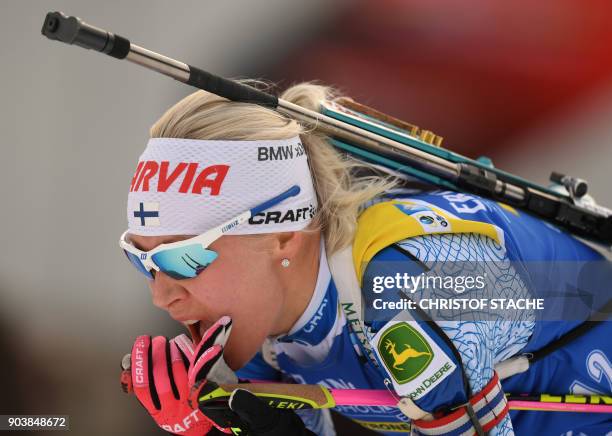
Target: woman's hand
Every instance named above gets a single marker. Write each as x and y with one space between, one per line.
168 377
259 419
161 373
244 410
159 381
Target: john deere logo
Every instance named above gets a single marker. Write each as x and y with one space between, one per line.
405 352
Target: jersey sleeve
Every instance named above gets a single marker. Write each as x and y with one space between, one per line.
414 347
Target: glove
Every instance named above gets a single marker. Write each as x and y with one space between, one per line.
159 380
259 419
245 414
160 372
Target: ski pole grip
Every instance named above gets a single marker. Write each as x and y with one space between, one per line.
73 30
313 396
229 89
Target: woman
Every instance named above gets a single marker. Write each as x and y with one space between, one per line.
277 250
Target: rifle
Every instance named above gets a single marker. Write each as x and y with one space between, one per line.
373 137
400 147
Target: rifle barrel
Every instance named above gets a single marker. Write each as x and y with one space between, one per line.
588 220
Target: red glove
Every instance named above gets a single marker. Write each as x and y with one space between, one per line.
161 372
159 379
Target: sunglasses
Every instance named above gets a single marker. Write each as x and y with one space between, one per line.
186 259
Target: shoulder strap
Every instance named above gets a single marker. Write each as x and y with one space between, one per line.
349 295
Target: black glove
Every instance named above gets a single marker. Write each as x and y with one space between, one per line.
255 418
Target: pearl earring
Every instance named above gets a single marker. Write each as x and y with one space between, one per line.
285 263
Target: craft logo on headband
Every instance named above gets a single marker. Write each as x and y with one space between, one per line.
276 216
187 186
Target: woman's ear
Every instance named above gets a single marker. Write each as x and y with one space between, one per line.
302 247
288 244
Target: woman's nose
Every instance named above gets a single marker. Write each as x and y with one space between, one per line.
165 290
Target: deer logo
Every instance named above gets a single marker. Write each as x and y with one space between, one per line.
400 358
405 351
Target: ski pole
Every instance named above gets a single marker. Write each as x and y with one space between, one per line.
303 396
297 396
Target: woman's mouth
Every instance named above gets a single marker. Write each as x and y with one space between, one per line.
194 331
197 329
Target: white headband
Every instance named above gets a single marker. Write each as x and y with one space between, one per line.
187 186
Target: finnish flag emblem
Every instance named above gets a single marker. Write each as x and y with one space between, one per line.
147 214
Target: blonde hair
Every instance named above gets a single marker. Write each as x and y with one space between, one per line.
341 188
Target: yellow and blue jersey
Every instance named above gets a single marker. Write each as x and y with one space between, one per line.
322 347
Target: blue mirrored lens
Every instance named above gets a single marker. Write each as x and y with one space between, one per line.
135 260
184 262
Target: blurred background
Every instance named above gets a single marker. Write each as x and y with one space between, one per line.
528 84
